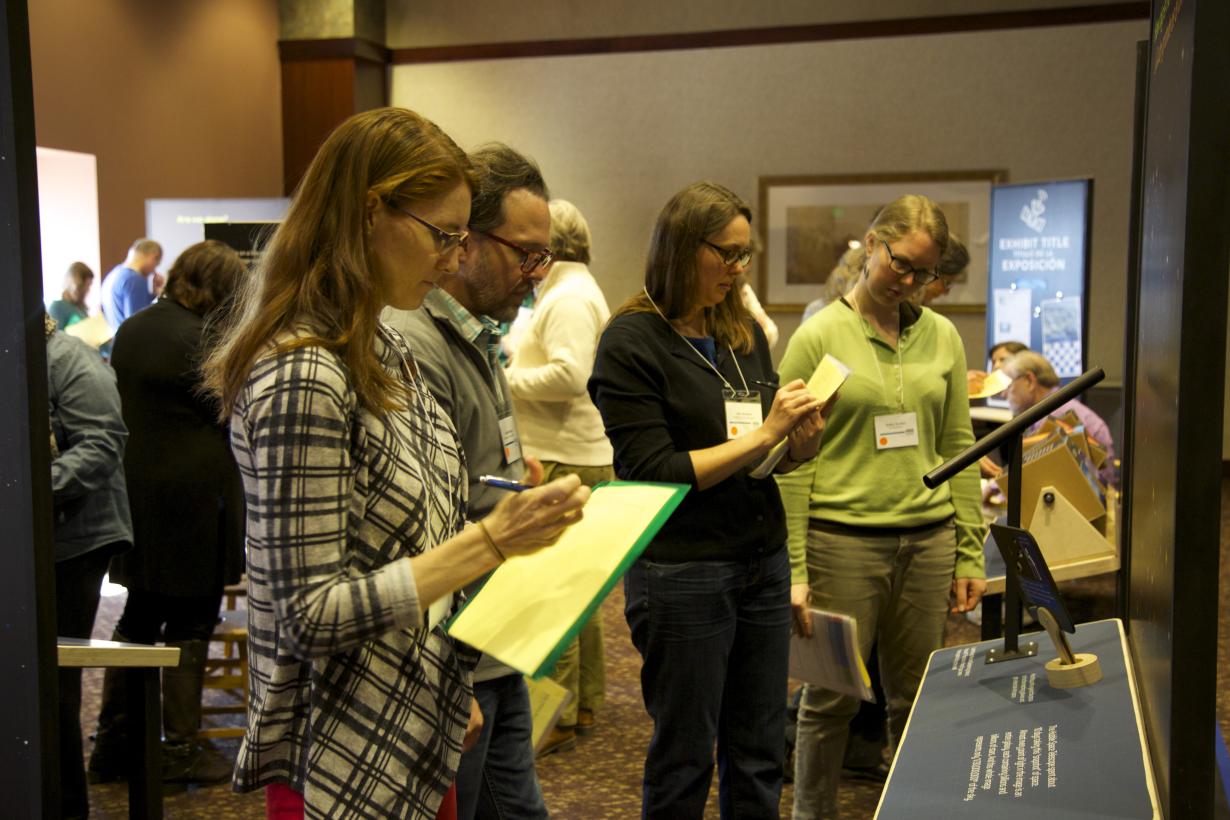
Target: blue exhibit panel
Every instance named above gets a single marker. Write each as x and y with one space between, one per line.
998 741
1037 273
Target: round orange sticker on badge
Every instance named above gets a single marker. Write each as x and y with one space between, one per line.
734 431
883 441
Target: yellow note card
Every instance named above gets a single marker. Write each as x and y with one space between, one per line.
825 380
829 375
533 605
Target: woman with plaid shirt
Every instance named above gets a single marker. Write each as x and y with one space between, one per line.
355 486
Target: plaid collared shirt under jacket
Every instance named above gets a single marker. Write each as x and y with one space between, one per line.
353 701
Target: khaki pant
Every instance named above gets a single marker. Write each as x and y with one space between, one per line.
581 669
896 587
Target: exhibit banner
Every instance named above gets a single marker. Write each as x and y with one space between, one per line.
1039 270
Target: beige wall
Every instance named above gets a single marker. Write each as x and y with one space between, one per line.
618 134
175 98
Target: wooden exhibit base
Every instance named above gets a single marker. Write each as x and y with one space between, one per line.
1083 672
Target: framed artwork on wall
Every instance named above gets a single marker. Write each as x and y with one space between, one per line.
808 222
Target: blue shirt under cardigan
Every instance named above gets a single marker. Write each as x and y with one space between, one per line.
658 401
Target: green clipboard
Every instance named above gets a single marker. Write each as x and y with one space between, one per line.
533 606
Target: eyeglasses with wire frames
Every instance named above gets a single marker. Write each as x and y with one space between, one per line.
902 267
729 257
530 260
445 240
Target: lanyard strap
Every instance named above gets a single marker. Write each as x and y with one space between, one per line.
876 360
708 363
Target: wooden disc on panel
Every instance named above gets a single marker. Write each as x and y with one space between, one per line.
1085 671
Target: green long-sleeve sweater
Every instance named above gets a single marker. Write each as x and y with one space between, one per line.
850 481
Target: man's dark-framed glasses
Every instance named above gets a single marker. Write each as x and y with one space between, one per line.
729 257
530 260
445 240
902 267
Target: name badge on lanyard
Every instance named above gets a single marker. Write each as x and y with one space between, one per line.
743 412
508 437
896 430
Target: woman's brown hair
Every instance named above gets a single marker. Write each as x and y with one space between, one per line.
314 284
77 281
695 213
204 276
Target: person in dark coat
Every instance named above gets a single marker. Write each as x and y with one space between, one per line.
187 509
90 523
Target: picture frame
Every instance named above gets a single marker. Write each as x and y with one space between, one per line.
807 223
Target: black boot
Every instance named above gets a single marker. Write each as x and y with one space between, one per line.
109 760
185 759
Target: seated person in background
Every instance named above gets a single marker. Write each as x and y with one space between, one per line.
70 307
1033 379
90 519
997 355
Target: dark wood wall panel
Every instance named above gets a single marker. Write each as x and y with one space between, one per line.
316 96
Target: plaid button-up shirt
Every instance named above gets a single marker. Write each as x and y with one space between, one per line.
353 701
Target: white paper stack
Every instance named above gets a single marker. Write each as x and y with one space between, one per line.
830 657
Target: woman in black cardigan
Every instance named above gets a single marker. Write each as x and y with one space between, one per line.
187 509
684 383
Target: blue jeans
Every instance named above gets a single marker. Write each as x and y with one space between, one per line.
496 779
715 640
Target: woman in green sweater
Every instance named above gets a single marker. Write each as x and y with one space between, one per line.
866 537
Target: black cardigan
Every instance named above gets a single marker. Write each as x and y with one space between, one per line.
183 485
659 400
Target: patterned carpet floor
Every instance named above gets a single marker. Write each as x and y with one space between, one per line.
600 778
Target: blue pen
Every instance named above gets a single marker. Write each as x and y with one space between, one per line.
503 483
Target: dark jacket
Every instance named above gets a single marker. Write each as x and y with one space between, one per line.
87 478
183 485
659 400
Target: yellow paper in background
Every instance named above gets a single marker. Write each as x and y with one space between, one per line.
996 382
547 701
531 603
92 330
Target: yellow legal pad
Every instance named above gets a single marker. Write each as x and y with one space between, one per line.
533 606
93 330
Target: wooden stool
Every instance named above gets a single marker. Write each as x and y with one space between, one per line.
233 592
229 672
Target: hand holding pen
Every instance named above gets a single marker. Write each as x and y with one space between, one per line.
532 517
500 483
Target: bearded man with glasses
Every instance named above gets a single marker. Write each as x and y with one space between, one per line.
455 338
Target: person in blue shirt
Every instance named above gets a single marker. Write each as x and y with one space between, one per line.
125 289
